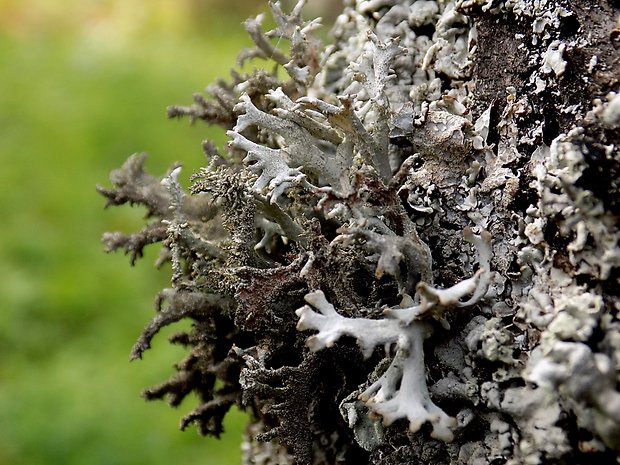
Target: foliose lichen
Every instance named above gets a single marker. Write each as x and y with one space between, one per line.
409 251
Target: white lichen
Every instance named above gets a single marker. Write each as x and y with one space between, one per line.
401 391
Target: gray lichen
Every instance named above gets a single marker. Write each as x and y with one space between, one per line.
440 185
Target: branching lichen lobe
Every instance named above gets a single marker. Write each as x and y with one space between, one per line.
409 252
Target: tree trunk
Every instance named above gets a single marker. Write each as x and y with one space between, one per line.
409 251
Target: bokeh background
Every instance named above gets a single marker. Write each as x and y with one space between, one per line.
84 84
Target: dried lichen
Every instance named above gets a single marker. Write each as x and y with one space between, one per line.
348 184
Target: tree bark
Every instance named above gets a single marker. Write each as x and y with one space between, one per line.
409 252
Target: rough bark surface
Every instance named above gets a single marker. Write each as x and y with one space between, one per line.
409 252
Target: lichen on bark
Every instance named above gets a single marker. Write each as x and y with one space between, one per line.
409 250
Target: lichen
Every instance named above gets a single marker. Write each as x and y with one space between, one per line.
401 391
439 188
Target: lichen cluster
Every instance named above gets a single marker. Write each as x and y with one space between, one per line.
409 250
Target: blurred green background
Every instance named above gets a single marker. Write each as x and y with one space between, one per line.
84 84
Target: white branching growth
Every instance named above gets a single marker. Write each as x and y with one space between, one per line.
401 391
318 137
302 64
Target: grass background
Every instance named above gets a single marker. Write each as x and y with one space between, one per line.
84 84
